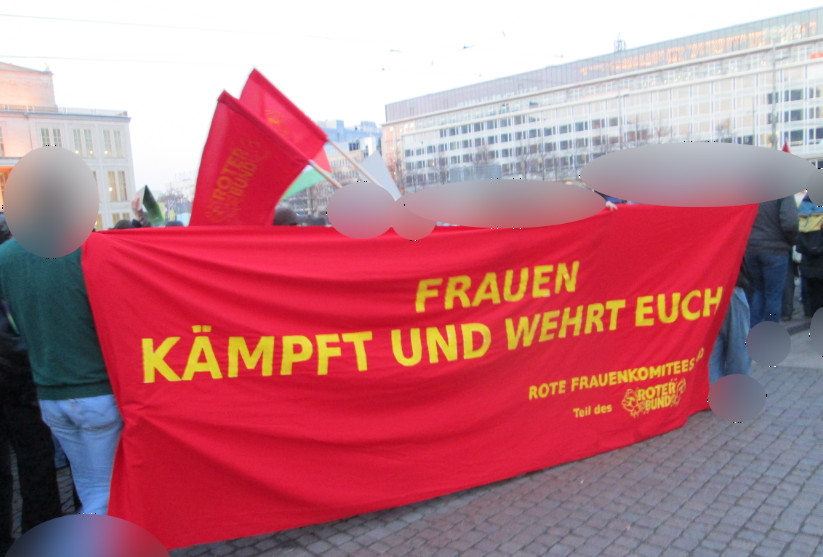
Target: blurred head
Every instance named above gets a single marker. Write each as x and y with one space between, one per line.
284 216
121 224
5 233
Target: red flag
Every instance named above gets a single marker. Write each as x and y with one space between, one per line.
786 148
246 168
272 106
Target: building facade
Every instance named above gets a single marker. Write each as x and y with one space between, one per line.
30 119
757 84
364 137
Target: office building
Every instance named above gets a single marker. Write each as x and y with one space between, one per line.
756 84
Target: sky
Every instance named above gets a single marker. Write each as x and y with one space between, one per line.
167 62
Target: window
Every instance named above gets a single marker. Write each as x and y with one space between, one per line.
564 145
491 124
548 131
796 94
796 138
565 128
490 140
478 127
465 129
478 142
107 149
505 122
534 133
467 158
78 143
407 153
612 122
117 185
505 137
118 144
112 185
454 159
581 126
430 149
50 138
466 143
505 153
89 145
550 147
518 136
518 120
796 115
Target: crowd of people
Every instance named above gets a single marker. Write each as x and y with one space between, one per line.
54 383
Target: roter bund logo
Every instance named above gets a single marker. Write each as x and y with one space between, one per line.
663 395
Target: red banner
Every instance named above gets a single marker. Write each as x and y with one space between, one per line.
274 378
283 116
246 168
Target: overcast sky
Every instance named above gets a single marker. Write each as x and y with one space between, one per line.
166 62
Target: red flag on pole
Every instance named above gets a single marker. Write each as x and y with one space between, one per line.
274 108
246 168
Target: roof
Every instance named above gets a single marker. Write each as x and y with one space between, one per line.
12 68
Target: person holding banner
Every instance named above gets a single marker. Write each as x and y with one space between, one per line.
48 301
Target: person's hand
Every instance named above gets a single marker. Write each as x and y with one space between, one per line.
611 206
136 205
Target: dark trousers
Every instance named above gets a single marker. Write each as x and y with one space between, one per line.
22 428
812 294
788 291
768 281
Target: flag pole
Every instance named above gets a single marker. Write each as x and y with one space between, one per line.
357 166
325 175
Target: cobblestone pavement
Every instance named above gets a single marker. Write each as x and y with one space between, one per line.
709 488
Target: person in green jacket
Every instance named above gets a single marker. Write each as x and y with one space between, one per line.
48 302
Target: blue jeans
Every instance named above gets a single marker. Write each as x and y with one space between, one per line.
768 274
730 354
88 430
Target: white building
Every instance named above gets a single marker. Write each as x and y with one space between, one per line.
758 83
30 118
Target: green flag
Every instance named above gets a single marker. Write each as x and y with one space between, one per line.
306 180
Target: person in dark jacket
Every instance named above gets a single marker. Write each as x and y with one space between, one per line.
810 246
22 428
730 354
767 257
